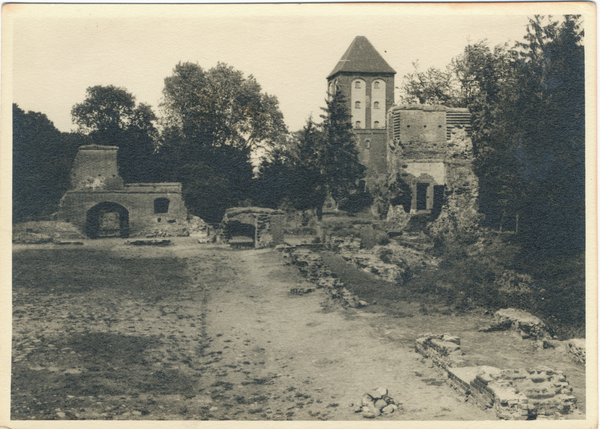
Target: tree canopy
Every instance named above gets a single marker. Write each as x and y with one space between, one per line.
109 115
220 107
213 121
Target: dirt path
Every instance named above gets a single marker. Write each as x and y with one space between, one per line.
307 362
204 332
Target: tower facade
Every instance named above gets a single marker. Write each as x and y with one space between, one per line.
367 81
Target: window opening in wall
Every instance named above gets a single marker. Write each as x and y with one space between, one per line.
422 196
357 84
357 105
357 124
376 105
368 144
161 205
376 85
376 124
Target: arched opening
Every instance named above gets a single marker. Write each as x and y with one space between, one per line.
107 220
161 205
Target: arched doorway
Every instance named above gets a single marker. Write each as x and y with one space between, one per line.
107 220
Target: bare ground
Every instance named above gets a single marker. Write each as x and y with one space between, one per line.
108 331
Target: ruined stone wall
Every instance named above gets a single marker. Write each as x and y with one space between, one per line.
138 200
95 167
426 152
95 181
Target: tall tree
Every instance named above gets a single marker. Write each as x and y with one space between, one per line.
338 153
213 121
220 107
109 115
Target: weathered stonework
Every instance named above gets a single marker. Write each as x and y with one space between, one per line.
265 226
100 204
430 153
527 325
576 349
443 350
515 394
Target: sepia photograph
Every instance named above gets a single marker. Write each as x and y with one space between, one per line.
281 214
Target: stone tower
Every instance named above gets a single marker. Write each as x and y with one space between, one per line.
367 81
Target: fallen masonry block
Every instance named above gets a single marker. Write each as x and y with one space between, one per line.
514 394
443 350
576 349
527 325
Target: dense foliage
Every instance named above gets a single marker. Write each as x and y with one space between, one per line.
213 120
528 114
109 116
42 159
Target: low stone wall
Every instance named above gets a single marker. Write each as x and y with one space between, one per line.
443 350
519 394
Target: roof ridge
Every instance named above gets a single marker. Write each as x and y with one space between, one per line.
361 57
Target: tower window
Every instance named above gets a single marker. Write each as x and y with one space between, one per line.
357 84
376 85
357 124
376 105
357 105
376 124
368 144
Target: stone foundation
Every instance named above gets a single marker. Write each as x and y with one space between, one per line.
519 394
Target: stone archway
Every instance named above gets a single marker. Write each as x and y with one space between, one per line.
107 219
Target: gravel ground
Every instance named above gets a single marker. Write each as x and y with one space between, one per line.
202 332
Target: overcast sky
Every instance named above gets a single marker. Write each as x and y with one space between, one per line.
59 51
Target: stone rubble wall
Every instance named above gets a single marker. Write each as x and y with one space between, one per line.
576 349
527 325
519 394
443 350
312 267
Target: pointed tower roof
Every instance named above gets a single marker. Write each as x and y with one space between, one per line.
361 57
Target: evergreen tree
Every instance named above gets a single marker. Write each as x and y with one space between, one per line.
337 155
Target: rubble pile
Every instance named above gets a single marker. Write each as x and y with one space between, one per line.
376 403
192 226
312 267
576 349
519 394
390 262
